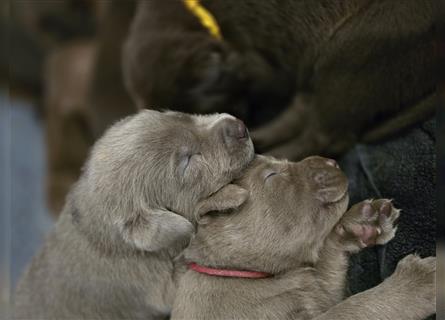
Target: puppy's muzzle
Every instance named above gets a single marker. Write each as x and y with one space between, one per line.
234 132
235 129
328 181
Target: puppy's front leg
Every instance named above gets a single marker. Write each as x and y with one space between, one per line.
408 294
365 224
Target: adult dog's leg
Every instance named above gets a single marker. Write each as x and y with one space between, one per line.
283 128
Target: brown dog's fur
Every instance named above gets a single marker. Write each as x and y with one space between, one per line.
294 226
111 253
345 70
358 70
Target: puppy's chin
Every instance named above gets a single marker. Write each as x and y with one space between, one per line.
341 205
242 158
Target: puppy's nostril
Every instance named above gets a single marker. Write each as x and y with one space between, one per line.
332 163
236 129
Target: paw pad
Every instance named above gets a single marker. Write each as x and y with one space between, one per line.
369 222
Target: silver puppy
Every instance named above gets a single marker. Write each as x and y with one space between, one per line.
111 254
294 234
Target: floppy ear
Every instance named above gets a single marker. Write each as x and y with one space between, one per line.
157 229
229 197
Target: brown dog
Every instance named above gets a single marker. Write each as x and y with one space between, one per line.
346 71
111 253
293 232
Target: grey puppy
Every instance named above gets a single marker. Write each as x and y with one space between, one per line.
111 254
294 228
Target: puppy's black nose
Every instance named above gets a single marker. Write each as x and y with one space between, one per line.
235 129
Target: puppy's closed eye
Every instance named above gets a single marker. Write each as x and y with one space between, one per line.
186 160
269 173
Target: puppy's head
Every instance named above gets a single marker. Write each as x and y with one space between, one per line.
291 209
159 162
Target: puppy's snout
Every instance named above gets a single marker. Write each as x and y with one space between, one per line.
329 183
317 162
235 129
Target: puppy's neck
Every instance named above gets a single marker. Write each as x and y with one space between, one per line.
270 285
228 273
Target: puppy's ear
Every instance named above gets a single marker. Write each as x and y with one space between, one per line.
157 229
229 197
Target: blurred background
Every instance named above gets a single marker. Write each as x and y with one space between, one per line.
61 85
46 59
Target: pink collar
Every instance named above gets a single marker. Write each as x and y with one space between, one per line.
228 273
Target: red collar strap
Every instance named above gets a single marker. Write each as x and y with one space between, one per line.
228 273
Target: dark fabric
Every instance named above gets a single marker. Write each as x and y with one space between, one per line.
403 169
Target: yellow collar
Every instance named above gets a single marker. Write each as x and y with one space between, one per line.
204 16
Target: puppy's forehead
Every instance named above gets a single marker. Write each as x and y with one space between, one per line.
191 121
261 162
208 121
179 117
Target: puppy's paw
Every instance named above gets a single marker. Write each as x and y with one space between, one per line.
368 223
414 267
416 278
